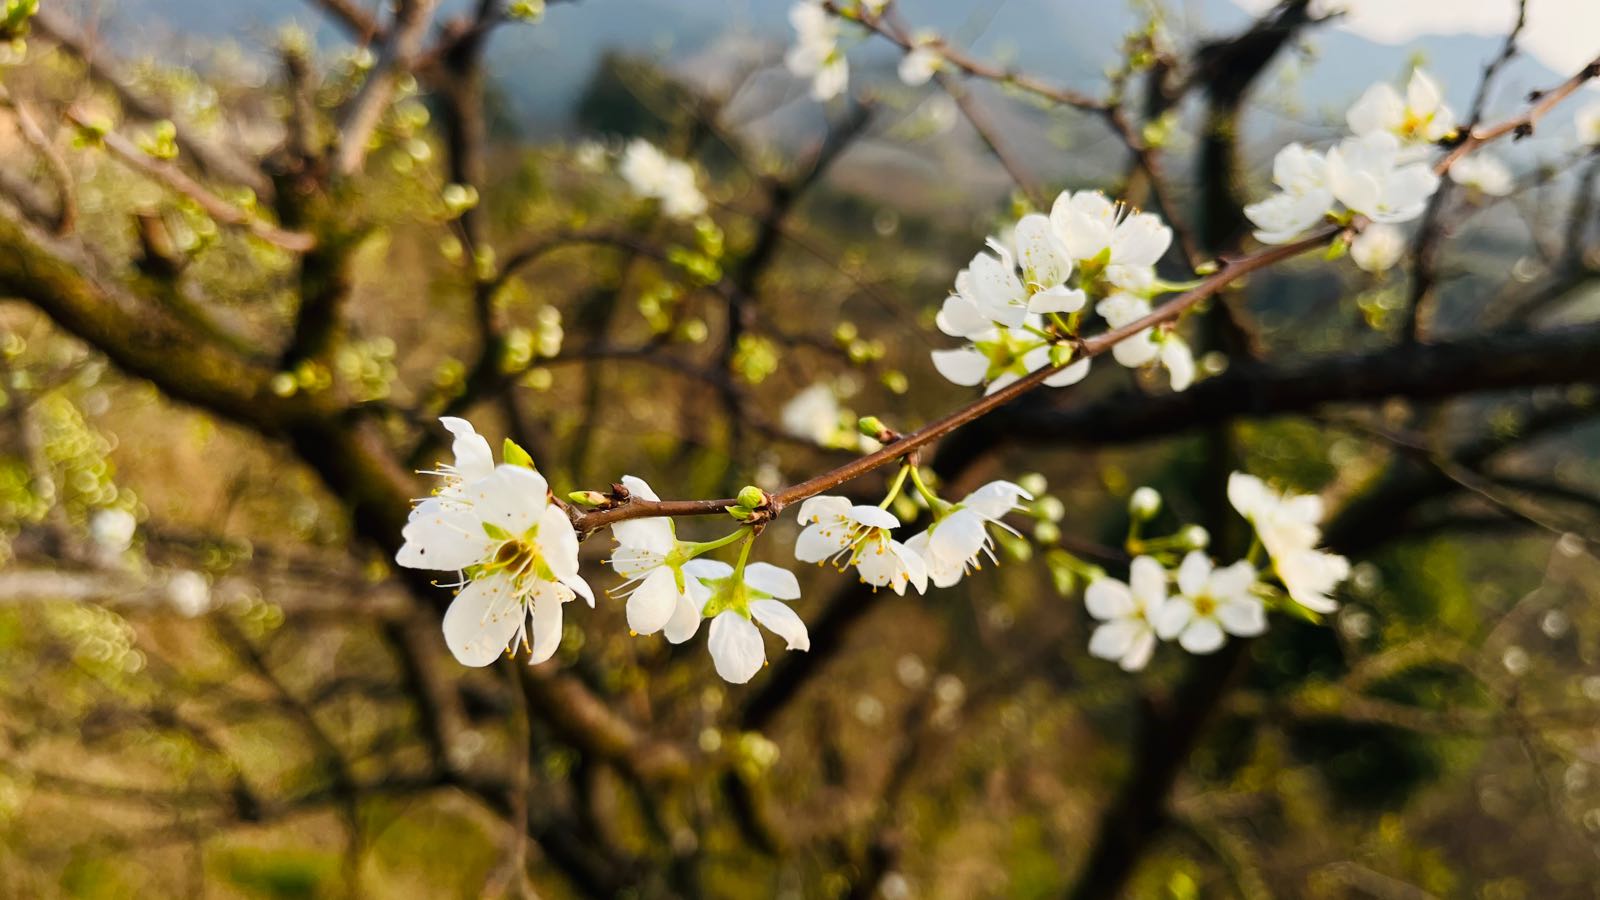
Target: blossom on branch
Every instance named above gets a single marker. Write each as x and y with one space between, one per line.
1421 116
959 538
660 596
1288 526
1378 247
845 534
653 174
1302 202
1128 612
816 54
1211 603
518 555
735 600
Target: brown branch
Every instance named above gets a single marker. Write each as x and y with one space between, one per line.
1170 311
174 178
210 158
67 208
366 110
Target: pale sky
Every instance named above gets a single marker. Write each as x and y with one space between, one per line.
1561 34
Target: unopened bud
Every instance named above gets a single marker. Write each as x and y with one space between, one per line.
742 513
871 426
587 498
1046 533
752 497
1060 354
1194 537
1144 504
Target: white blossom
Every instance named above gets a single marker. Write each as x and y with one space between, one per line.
1288 526
1587 121
1210 604
112 530
1378 247
1147 346
651 173
813 415
1127 613
1367 175
921 61
845 534
1483 172
957 541
998 356
519 556
648 555
816 54
1420 116
1092 228
737 650
1302 201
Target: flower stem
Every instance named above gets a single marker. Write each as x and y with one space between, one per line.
896 484
936 503
696 549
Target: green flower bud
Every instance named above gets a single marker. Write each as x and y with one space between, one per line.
871 426
587 498
752 497
1194 537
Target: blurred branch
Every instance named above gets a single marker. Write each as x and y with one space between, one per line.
177 180
67 207
401 44
210 158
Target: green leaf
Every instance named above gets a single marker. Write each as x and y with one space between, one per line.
514 455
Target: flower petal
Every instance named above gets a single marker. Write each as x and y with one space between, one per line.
1108 599
474 459
782 621
653 602
1194 573
1202 636
736 648
772 581
545 615
482 620
512 498
444 537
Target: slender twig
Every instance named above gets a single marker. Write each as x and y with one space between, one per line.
179 181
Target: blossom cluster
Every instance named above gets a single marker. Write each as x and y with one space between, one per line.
1020 305
1199 604
654 174
1380 171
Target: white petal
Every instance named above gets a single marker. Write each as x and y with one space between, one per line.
963 366
442 537
512 498
772 581
654 533
1202 636
1072 374
1113 639
580 587
545 616
474 459
631 562
1194 573
653 602
482 620
1041 254
686 616
821 541
873 516
1245 618
1147 580
1233 581
558 542
638 487
707 569
995 499
1138 653
1179 360
1058 299
1108 599
782 621
736 648
1174 617
823 508
960 317
1379 109
1246 493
